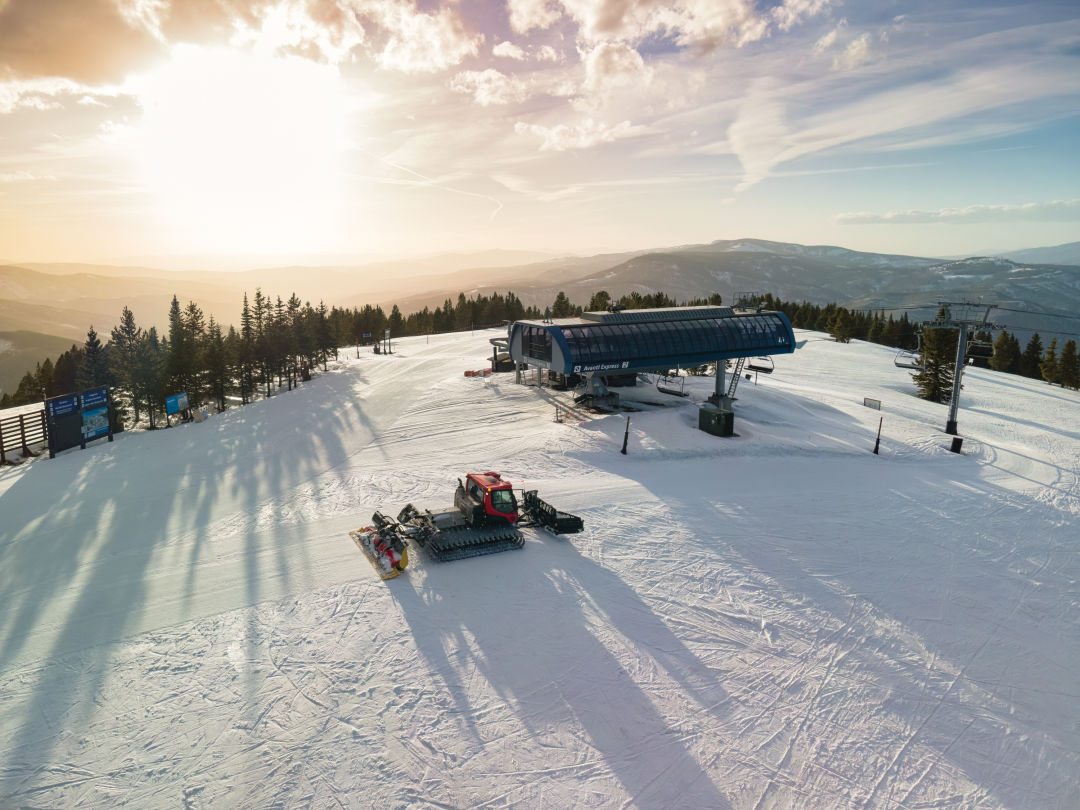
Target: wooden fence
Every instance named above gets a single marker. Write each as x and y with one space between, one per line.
19 432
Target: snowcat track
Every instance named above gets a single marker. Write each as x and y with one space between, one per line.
459 543
454 542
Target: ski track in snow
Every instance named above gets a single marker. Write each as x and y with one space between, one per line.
776 620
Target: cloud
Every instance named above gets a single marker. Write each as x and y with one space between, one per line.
706 23
316 29
585 135
1052 211
886 113
508 50
489 87
758 137
108 40
94 43
424 43
856 53
610 65
41 94
545 53
693 22
826 42
525 15
23 176
791 12
113 132
829 39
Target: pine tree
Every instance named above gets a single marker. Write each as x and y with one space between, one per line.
1006 353
294 327
123 346
877 329
600 301
66 371
26 392
215 363
234 360
890 333
1069 366
396 322
94 370
841 326
44 376
935 379
151 374
324 338
176 364
245 353
562 308
1031 359
1049 364
1014 349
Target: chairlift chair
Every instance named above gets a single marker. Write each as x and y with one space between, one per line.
980 348
762 364
672 383
908 359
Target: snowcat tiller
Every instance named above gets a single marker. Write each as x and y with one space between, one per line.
485 519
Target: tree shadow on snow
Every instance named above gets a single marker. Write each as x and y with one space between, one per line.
553 634
78 577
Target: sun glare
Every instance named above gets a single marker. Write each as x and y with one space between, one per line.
243 152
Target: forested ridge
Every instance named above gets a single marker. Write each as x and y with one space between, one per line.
279 342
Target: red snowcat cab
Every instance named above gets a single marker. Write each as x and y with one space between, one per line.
486 500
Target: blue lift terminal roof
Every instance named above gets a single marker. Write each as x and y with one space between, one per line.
649 339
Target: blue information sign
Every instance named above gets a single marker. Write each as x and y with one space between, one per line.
62 405
75 419
93 399
176 403
367 334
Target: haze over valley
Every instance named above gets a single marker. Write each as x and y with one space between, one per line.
62 301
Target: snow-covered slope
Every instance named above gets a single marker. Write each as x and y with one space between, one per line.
780 619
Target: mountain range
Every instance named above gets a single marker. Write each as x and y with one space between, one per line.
64 300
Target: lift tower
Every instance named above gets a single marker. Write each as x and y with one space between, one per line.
964 316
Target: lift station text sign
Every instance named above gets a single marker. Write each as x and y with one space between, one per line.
75 419
618 365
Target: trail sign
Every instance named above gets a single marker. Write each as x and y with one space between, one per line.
176 403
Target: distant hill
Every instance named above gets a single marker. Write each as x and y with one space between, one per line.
54 297
64 300
1059 254
21 350
820 274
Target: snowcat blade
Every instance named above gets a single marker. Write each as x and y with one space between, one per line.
541 513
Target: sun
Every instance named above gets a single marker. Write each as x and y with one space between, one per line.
243 152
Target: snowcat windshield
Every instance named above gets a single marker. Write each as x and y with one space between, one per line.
502 500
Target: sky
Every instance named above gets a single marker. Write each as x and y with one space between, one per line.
157 130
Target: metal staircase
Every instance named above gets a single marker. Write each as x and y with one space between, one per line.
736 375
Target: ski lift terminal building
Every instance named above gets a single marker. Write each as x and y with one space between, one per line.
626 341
